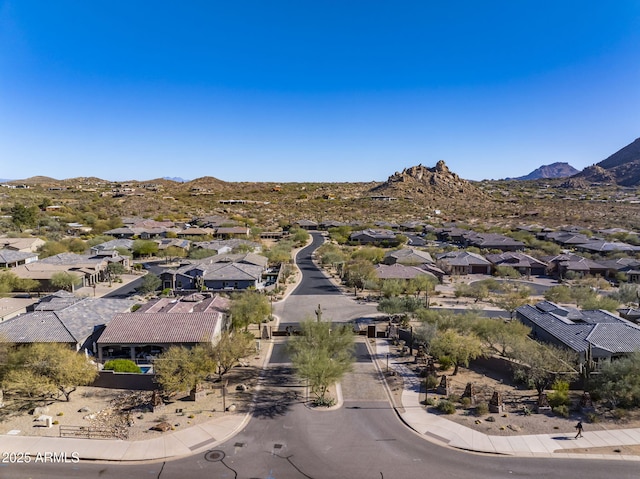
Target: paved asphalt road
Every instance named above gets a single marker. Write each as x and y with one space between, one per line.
362 439
316 289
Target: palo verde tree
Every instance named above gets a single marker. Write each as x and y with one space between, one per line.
230 349
183 369
44 370
144 248
357 273
424 283
248 307
618 381
322 354
65 280
500 336
150 282
113 271
461 348
539 365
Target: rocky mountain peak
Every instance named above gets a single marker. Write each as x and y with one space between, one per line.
420 179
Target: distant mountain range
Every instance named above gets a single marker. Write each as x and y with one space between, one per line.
555 170
621 168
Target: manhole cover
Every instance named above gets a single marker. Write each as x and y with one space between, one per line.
214 456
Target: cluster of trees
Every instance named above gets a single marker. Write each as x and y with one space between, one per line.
586 296
9 283
507 295
44 371
184 369
458 339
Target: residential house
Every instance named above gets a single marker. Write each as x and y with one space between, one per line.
181 244
12 307
228 232
629 268
113 245
196 232
144 229
227 246
212 222
306 224
493 241
569 263
600 332
387 225
143 335
416 226
326 225
465 238
88 269
26 245
463 262
218 273
607 247
11 259
375 237
567 239
77 323
404 272
523 263
408 256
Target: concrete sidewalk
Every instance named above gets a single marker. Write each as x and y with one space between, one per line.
439 429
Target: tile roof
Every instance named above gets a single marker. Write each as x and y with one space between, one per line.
590 327
462 258
70 322
410 254
135 328
194 303
10 256
399 271
37 327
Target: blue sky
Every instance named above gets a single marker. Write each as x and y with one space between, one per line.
313 91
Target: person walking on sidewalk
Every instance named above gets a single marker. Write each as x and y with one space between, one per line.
579 428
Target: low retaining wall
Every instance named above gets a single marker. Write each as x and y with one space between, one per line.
133 381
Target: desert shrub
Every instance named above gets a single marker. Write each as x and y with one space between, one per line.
592 417
445 362
560 394
430 382
562 410
324 402
122 366
482 409
446 407
430 402
465 402
619 413
454 398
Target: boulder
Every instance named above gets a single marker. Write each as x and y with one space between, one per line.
162 427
